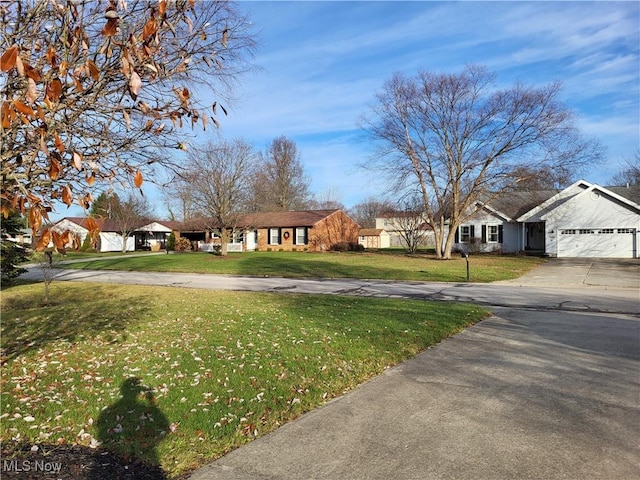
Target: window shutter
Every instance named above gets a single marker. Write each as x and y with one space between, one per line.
472 233
500 237
279 236
457 236
484 234
306 235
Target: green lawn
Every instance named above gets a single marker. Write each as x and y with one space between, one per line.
388 265
214 369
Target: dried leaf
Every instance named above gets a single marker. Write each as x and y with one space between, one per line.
9 58
111 27
77 161
135 84
32 73
35 219
94 71
162 7
225 37
58 142
58 239
127 119
91 178
150 28
52 58
19 66
54 90
55 169
43 241
216 123
137 179
31 94
67 196
22 108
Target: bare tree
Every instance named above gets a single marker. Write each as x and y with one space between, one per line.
365 212
218 176
97 91
330 199
456 138
629 173
280 183
410 224
129 215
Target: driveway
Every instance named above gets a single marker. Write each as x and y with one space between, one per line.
608 273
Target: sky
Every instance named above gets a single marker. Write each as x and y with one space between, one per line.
320 64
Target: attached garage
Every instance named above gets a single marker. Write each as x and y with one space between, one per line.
587 220
597 242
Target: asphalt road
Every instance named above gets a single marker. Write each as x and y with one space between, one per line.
546 388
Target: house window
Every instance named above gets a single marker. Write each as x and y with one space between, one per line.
607 230
586 231
492 234
567 232
625 230
465 233
301 236
274 236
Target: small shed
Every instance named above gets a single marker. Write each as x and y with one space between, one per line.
374 238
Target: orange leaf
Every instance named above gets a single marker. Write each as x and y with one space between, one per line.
54 90
43 241
52 57
35 219
58 142
137 179
54 167
94 71
8 59
67 196
150 28
162 7
22 108
91 178
110 28
92 225
32 73
58 239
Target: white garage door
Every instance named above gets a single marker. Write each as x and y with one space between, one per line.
597 242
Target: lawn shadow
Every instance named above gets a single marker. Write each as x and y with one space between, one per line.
133 426
72 314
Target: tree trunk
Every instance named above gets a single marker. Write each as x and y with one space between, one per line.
224 239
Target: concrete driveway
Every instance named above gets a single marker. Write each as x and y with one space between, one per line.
611 273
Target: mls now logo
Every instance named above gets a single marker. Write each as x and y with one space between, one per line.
31 466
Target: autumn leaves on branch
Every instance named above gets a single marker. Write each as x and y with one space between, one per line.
93 91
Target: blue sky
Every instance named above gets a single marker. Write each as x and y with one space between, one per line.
321 63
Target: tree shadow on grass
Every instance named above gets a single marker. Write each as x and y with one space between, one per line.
73 314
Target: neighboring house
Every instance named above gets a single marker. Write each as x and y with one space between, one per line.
313 230
402 225
374 238
583 220
24 236
148 236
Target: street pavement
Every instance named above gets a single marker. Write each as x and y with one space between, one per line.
546 388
